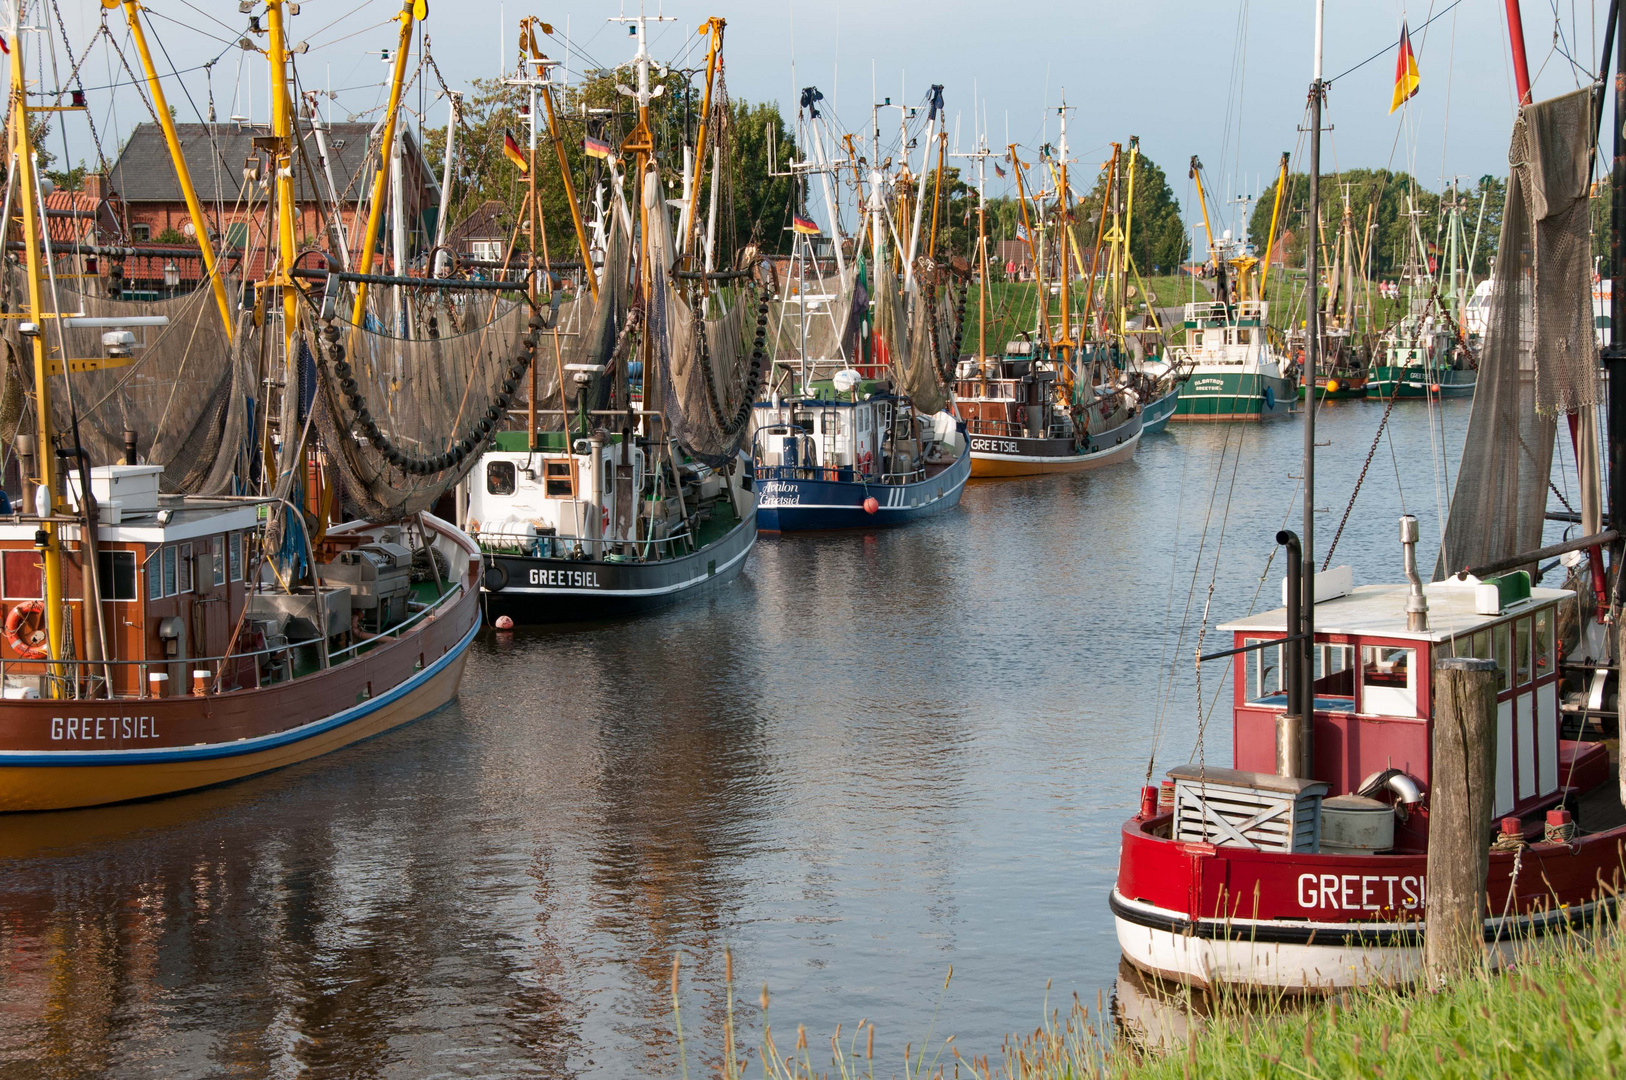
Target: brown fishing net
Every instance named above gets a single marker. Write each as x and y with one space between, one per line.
184 389
709 369
1539 358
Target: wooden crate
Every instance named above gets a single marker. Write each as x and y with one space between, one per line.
1262 811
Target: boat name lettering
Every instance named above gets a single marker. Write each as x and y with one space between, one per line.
581 579
778 493
1360 892
994 446
99 728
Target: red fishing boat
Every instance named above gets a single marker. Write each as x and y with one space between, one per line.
1301 863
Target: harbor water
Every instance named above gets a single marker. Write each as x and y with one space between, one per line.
871 758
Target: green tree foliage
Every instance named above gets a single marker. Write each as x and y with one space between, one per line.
1383 189
752 201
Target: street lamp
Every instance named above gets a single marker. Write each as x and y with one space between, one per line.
172 275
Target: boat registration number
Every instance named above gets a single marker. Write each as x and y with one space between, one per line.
579 579
994 446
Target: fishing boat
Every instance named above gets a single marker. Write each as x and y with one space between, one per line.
1049 404
626 489
1342 359
1427 352
853 432
171 622
1236 368
1302 862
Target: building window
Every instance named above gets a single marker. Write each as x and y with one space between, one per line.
486 250
183 569
155 574
500 478
116 574
235 552
141 232
24 581
217 559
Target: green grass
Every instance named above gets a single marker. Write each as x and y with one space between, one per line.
1561 1012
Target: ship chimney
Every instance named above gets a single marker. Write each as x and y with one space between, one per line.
1416 602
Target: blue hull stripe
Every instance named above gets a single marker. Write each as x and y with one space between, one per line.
845 510
62 758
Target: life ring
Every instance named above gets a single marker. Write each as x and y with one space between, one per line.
496 577
25 630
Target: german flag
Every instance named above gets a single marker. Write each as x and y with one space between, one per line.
805 226
513 153
598 148
1406 78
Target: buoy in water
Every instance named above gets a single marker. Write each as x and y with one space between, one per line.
1434 388
870 505
504 622
1332 386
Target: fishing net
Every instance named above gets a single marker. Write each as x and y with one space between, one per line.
404 420
918 327
185 390
821 329
708 369
1539 357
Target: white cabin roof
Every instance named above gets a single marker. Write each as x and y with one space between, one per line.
1380 611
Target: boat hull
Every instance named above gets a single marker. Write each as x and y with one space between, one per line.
1207 915
62 754
1155 416
1012 457
1387 382
804 504
1221 395
534 592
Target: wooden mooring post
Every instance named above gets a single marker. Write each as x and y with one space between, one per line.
1459 827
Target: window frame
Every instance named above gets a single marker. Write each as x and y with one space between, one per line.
153 567
237 554
185 571
495 466
105 580
217 560
566 476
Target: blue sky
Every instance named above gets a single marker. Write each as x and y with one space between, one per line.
1223 80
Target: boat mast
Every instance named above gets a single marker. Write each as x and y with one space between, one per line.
183 174
1312 349
46 539
1064 341
1614 354
369 239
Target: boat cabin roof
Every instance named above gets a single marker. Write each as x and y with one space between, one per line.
1454 608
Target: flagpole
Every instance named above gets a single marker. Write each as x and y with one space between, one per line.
1312 363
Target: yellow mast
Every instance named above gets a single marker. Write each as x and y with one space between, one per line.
714 28
1275 215
1066 338
570 194
1125 258
410 9
47 541
1196 174
1100 232
282 172
183 175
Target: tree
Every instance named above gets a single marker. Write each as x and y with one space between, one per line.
1157 238
752 203
1391 194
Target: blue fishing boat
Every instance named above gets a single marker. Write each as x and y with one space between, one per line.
853 455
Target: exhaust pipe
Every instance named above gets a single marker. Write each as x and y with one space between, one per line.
1416 602
1292 759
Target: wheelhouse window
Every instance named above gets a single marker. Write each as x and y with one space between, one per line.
559 479
1263 673
1521 650
183 568
1546 658
116 574
234 549
500 477
170 571
1335 672
1388 680
217 560
154 569
1502 653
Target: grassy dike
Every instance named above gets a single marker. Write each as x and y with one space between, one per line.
1561 1013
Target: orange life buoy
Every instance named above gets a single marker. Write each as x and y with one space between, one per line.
25 630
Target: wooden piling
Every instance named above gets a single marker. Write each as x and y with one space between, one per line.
1460 793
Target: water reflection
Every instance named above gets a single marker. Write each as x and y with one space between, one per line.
871 757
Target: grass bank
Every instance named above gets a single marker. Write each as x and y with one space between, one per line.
1559 1014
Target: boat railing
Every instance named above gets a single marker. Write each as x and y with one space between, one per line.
1007 428
221 674
565 548
844 474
